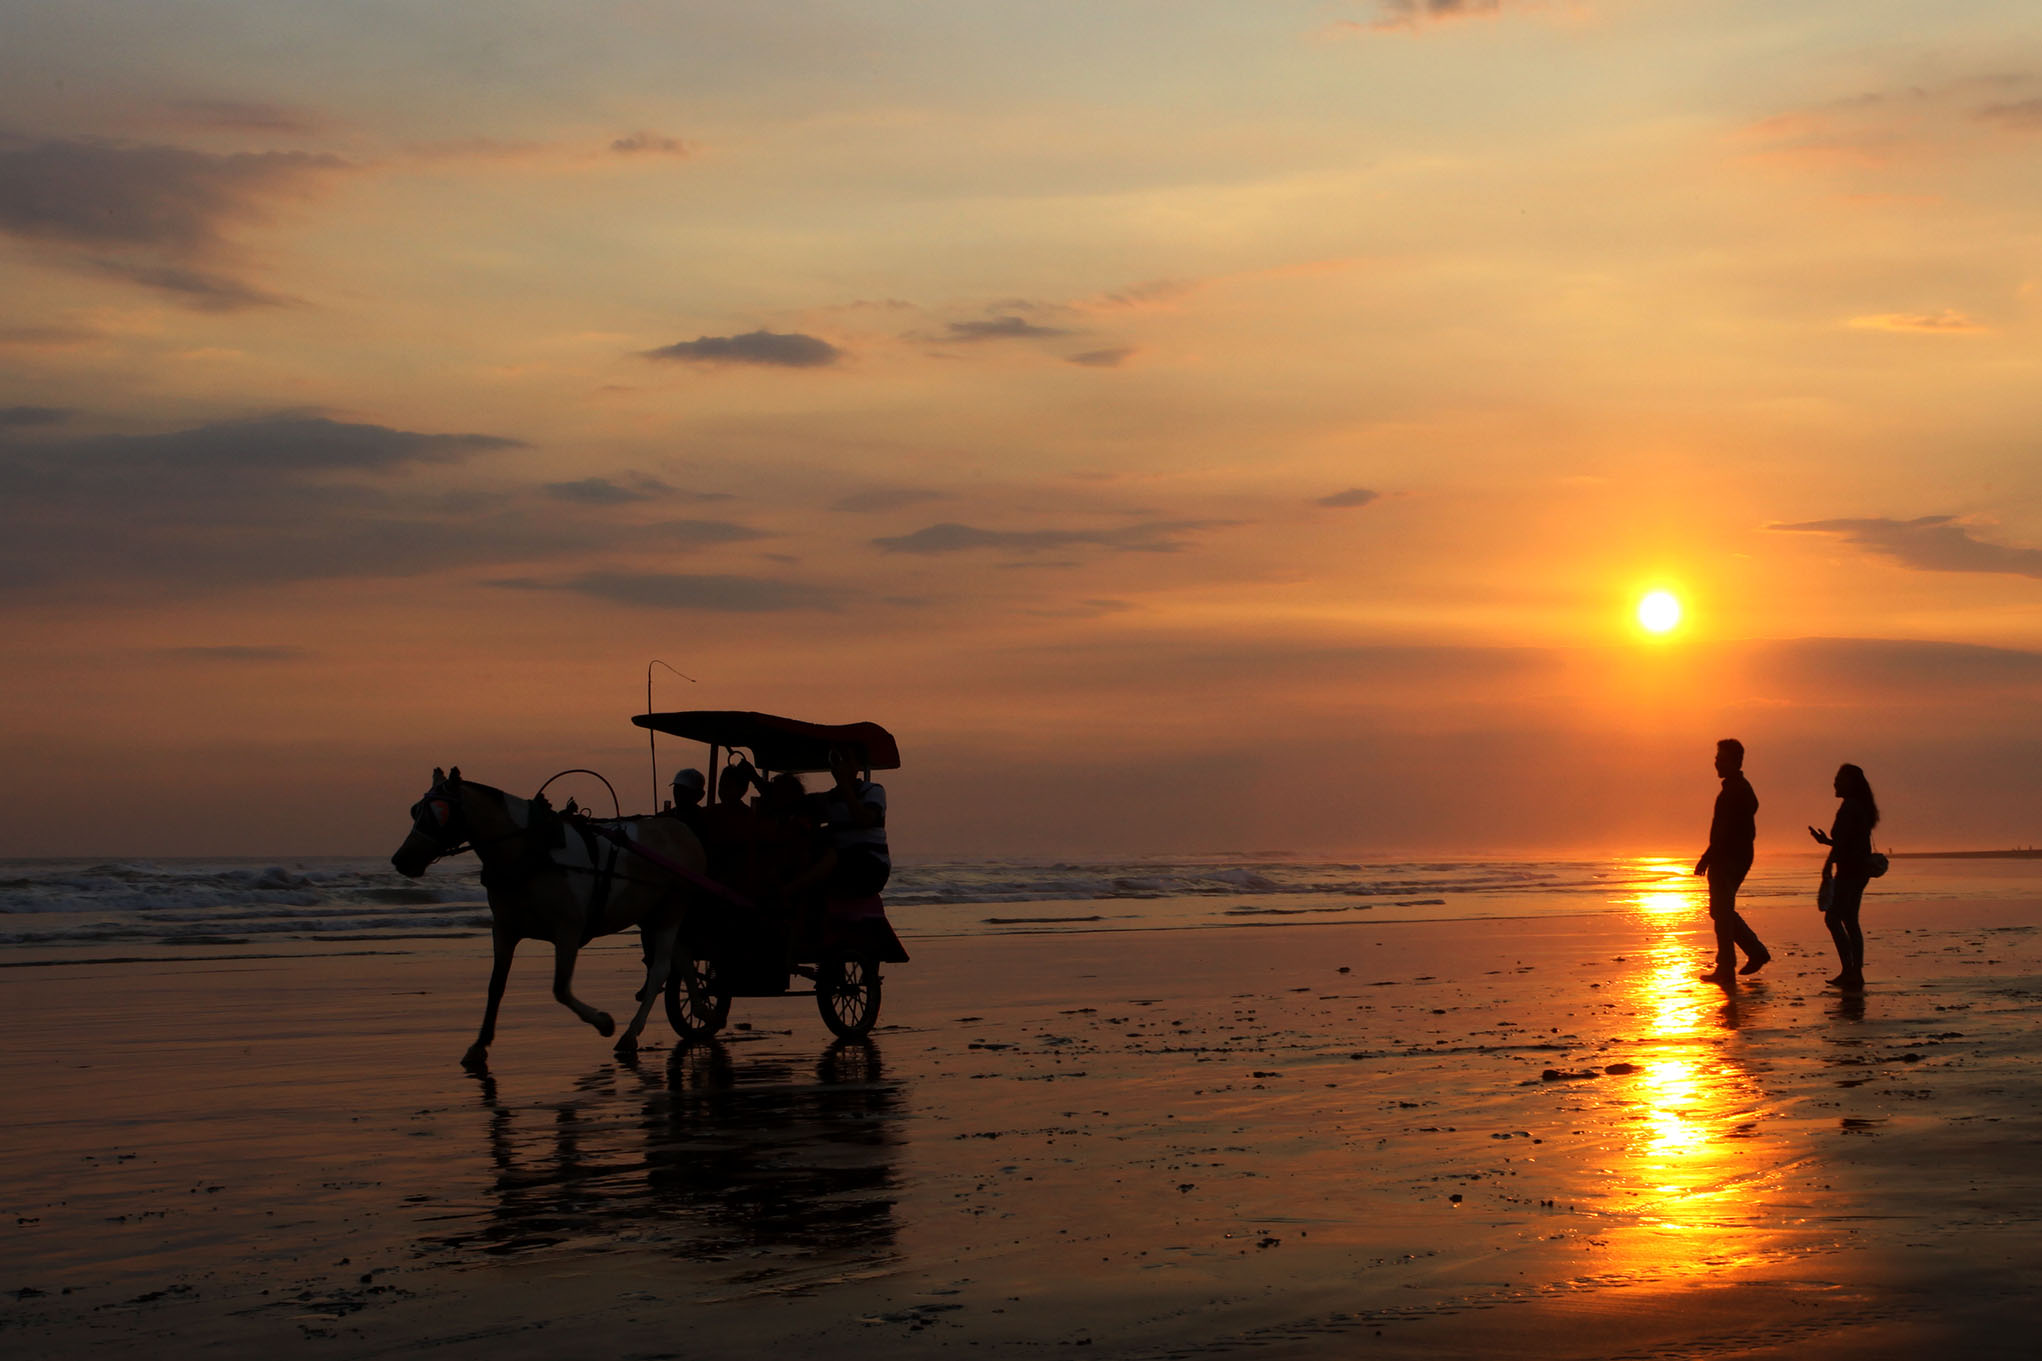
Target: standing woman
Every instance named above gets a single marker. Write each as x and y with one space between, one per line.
1847 871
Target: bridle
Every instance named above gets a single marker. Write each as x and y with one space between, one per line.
439 820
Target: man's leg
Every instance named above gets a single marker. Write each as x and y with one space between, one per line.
1732 930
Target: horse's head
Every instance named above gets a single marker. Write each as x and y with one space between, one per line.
439 825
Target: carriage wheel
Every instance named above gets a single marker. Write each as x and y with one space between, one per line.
847 994
696 1004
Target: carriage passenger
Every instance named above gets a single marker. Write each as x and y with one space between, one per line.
689 787
730 831
854 813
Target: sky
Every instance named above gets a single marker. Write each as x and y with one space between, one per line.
1189 427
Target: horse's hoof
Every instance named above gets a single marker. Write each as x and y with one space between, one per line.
476 1059
627 1048
604 1025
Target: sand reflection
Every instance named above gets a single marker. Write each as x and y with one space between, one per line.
782 1170
1690 1175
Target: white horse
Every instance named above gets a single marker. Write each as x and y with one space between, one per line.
549 881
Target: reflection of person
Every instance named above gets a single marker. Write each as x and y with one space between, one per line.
1733 831
1847 870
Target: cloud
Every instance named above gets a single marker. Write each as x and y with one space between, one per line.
153 215
1082 609
1103 359
2024 115
603 491
19 417
1411 13
884 498
1932 543
700 533
265 449
711 592
790 350
235 653
1001 328
233 115
1353 496
1164 536
1898 667
283 498
1946 322
204 289
650 142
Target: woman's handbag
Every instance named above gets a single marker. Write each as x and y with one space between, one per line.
1876 864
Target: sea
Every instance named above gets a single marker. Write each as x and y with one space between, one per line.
242 903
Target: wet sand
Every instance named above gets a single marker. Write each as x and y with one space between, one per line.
1441 1139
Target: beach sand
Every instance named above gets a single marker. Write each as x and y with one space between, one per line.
1537 1136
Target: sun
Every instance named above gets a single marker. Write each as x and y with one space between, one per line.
1659 612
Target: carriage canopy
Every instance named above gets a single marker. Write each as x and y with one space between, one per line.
778 743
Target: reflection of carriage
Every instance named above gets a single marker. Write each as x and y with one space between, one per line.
733 947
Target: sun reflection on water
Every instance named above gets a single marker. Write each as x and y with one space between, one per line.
1690 1172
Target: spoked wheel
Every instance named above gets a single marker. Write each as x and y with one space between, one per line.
696 1004
847 994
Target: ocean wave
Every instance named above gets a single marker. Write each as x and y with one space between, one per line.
50 902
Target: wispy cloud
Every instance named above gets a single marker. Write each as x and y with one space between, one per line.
235 115
1413 13
777 349
26 417
884 498
1104 359
711 592
604 491
1007 327
649 143
1948 322
294 498
234 653
1161 536
1353 496
156 216
2021 115
1932 543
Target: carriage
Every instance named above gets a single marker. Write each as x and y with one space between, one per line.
732 946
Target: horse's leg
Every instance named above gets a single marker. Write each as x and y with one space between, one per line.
566 945
662 940
478 1053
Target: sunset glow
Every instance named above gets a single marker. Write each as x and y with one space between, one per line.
1098 398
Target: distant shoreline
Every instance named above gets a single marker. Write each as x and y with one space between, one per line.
2031 853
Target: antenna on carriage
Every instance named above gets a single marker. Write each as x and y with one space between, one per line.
652 734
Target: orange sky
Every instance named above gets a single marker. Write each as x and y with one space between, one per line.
1189 427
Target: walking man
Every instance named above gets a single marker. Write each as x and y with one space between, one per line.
1732 832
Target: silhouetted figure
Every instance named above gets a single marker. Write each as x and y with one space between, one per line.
1732 832
854 813
689 787
730 830
1847 870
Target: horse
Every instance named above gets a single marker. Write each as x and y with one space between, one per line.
542 886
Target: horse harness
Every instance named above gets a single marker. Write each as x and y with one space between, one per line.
543 832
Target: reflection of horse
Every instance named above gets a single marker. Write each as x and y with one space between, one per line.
708 1160
549 879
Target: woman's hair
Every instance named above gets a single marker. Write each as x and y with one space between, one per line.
1856 786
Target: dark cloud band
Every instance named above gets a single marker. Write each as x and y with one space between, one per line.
787 350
